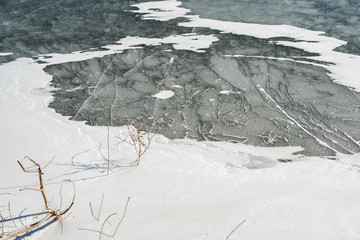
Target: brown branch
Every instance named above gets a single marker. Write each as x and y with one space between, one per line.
12 219
62 224
48 163
60 198
73 199
235 229
137 139
108 131
102 199
2 225
122 218
52 213
101 230
29 228
39 170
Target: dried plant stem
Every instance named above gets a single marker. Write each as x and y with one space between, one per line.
2 226
48 163
102 227
29 228
235 229
108 131
102 200
108 146
122 218
12 219
53 214
41 189
137 139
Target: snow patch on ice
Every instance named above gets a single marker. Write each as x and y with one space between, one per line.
180 42
195 43
160 10
5 54
165 94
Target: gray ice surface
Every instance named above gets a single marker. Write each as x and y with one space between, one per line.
253 100
339 19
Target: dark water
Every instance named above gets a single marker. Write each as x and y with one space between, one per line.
259 101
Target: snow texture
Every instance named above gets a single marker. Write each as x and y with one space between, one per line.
272 87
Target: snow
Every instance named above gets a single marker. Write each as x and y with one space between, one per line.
165 94
5 54
191 42
182 189
161 10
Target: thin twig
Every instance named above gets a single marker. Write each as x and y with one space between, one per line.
108 130
122 218
2 226
137 139
62 225
48 163
101 231
41 189
60 198
12 219
73 199
235 229
53 214
102 199
29 228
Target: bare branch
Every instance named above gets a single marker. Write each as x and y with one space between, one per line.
62 224
29 228
108 130
72 201
40 173
60 198
101 230
12 219
48 163
122 218
2 225
102 199
139 140
53 214
235 229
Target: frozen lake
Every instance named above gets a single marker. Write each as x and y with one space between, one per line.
255 105
264 74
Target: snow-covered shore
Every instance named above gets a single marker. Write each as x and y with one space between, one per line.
182 189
